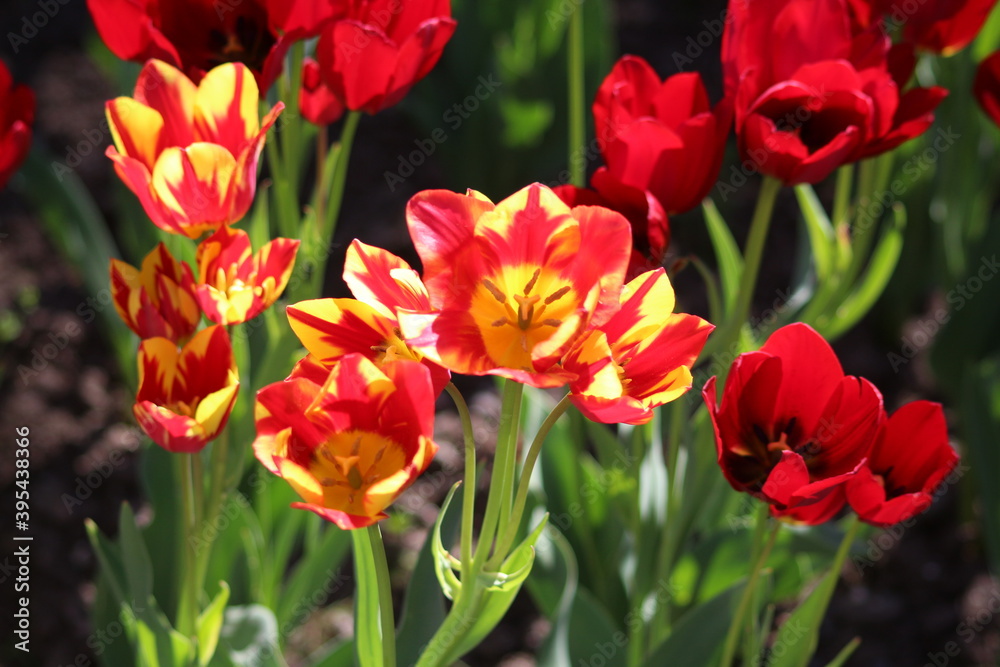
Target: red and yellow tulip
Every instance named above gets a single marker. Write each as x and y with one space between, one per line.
332 328
350 446
236 285
185 395
189 153
513 285
640 359
157 300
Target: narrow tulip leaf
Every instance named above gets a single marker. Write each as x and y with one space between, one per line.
799 634
138 566
504 587
368 628
424 607
112 567
444 562
871 285
727 254
822 239
845 653
697 638
318 572
159 646
210 625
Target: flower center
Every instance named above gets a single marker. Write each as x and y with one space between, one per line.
348 465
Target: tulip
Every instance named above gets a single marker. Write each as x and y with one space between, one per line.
189 153
185 396
351 445
791 428
17 114
157 300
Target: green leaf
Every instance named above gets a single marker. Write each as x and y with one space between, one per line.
727 254
822 239
444 563
249 636
210 625
138 566
157 644
871 285
501 589
109 556
845 653
369 630
697 638
424 607
313 574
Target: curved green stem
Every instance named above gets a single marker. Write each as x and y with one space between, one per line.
469 492
577 100
762 552
371 563
507 539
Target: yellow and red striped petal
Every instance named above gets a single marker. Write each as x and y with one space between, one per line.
171 94
244 182
332 328
135 129
157 301
236 285
191 186
225 107
516 284
186 395
651 353
350 447
383 281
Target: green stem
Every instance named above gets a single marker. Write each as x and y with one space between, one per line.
732 636
347 134
187 610
501 482
507 539
577 99
460 618
842 196
754 253
469 492
384 597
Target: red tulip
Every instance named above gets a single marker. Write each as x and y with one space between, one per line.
317 102
790 427
810 94
661 136
17 114
942 26
198 35
986 86
910 460
372 56
650 228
